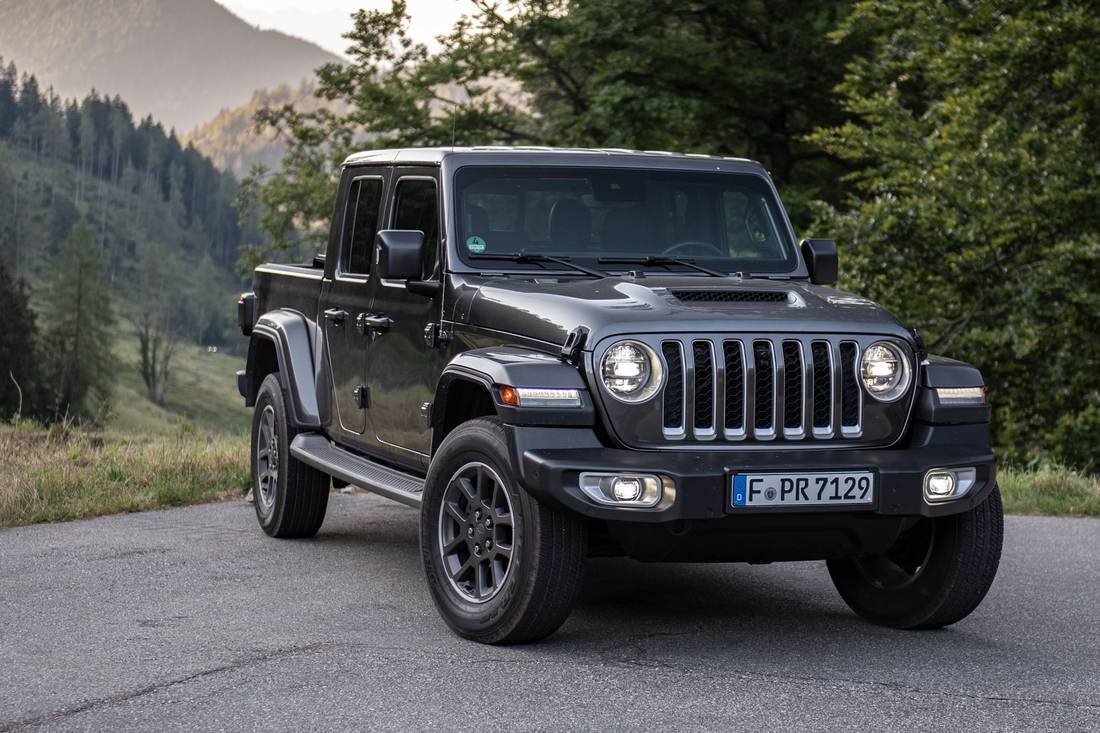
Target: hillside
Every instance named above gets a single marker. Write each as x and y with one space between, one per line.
179 60
233 142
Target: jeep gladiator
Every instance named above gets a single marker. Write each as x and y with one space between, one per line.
556 354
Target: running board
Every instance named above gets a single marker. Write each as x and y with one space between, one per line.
315 450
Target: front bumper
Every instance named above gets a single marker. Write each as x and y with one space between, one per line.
551 460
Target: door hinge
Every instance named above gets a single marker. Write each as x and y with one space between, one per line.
426 412
362 396
436 334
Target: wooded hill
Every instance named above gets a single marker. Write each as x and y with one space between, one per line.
178 60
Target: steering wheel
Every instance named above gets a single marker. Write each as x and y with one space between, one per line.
694 243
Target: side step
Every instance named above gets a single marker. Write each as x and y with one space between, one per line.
315 450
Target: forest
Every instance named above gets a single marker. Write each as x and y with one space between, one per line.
109 225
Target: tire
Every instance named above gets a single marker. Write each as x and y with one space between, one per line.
291 500
495 598
935 574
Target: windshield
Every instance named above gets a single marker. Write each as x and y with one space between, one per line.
728 222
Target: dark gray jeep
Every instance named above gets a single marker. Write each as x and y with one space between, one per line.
553 354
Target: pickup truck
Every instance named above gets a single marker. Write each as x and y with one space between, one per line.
556 354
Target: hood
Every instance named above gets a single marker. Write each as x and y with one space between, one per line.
549 308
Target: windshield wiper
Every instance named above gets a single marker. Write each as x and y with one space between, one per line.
522 257
662 261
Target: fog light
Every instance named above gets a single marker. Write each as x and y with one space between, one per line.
946 484
623 489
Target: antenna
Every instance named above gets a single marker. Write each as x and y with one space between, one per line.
454 122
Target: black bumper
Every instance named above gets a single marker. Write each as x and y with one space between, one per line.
550 461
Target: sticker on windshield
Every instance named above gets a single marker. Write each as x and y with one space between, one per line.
475 244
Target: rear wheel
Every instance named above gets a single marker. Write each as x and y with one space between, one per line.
501 566
936 573
290 496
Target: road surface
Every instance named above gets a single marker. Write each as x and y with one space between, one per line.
193 619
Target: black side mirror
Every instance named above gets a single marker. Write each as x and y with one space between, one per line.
400 254
822 260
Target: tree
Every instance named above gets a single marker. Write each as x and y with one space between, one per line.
975 214
158 328
705 76
79 321
21 387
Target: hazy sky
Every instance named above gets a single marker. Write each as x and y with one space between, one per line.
323 21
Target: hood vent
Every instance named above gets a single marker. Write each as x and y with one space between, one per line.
730 296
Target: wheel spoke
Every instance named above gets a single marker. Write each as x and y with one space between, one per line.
467 488
483 481
480 589
503 551
453 511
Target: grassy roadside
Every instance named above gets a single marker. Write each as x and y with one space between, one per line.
56 475
1051 490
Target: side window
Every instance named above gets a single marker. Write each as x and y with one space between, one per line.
361 221
417 207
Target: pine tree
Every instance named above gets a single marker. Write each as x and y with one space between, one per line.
79 329
21 388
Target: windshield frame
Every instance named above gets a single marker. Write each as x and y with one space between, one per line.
458 262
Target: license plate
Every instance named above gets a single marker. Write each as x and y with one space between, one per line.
802 489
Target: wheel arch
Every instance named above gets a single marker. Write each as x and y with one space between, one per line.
282 343
468 388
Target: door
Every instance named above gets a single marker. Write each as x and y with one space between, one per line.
402 366
348 296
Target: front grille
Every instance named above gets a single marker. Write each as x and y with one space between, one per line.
765 389
730 296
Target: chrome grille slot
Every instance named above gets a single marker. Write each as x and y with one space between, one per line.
821 356
735 382
764 394
793 389
705 389
851 395
674 390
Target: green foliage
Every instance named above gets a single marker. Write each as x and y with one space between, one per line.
974 217
22 389
704 76
77 338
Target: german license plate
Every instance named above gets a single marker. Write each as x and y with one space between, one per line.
802 489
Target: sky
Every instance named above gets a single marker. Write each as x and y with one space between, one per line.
323 21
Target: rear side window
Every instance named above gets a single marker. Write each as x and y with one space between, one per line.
364 204
417 207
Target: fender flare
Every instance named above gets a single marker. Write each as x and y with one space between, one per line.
492 366
289 332
939 371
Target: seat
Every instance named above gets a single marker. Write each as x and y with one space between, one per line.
570 225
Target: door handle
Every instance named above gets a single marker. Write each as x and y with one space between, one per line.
336 315
372 324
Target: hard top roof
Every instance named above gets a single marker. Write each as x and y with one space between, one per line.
533 155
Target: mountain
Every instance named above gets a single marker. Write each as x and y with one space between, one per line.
181 61
232 139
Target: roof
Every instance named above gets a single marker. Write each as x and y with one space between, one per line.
502 154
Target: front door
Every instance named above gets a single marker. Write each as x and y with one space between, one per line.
348 295
402 367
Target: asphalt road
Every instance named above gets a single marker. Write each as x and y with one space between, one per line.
193 619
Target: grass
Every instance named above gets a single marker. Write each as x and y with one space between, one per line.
1051 490
202 393
55 475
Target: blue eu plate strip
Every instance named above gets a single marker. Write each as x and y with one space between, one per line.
739 489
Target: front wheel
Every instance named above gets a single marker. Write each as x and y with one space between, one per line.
936 573
501 566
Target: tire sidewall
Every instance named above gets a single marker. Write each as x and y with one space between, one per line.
480 441
270 394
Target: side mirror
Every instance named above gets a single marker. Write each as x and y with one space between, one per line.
822 260
400 254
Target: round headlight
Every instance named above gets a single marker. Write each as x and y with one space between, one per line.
885 371
631 371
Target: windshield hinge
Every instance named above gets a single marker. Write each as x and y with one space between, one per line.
574 342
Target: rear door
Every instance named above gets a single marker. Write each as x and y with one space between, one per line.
348 295
403 367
